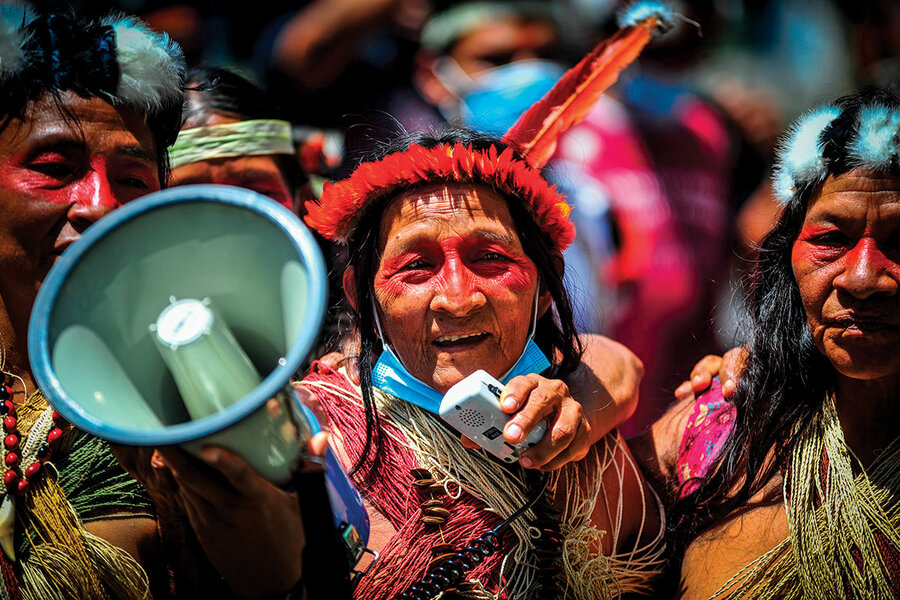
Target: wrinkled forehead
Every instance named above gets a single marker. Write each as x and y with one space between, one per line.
857 194
439 205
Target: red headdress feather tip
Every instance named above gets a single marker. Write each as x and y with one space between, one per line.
569 101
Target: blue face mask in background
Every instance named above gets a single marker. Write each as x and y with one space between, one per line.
492 100
391 376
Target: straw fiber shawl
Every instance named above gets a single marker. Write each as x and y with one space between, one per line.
844 537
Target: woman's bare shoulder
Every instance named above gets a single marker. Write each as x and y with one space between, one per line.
656 450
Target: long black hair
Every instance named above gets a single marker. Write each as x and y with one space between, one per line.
555 334
786 376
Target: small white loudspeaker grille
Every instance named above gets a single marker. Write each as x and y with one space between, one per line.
471 417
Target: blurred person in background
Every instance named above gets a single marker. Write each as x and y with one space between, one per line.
232 133
341 60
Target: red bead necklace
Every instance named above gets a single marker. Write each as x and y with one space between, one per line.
37 449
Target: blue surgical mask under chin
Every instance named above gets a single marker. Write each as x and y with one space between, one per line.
391 377
492 100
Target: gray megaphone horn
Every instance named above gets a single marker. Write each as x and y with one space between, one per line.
181 318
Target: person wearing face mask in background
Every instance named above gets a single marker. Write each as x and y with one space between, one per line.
649 169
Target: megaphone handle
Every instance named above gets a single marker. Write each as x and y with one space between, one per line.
326 573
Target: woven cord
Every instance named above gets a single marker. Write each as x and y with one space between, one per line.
840 524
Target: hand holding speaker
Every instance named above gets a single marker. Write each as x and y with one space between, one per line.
534 398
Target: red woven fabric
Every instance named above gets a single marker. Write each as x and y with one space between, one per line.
10 581
342 204
406 557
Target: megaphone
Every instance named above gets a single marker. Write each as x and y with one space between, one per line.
202 294
93 353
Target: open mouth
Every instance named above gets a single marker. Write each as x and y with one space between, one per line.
462 341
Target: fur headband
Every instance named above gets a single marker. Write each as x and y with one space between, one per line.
804 158
119 58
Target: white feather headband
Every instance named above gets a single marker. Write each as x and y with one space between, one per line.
12 38
151 66
801 164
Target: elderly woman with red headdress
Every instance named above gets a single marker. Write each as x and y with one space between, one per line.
455 264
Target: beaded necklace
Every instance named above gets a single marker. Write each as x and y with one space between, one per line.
36 450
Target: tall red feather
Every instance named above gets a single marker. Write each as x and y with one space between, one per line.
571 99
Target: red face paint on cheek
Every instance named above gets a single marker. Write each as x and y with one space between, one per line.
519 275
498 265
31 183
393 282
819 245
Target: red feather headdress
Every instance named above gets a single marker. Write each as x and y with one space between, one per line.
341 205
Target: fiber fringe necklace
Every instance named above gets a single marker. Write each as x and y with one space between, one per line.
63 560
844 537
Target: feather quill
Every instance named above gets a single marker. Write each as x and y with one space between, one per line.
571 99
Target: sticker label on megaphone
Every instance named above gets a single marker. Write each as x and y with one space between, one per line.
184 322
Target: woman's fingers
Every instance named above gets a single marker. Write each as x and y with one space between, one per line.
701 377
727 368
562 438
543 397
733 363
704 371
318 444
516 392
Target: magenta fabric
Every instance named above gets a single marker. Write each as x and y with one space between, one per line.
706 431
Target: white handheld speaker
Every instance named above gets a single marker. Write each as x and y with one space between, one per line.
251 262
472 407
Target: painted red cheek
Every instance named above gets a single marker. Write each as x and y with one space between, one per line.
813 255
394 286
32 185
516 276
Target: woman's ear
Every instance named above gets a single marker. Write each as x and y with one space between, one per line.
545 299
348 282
